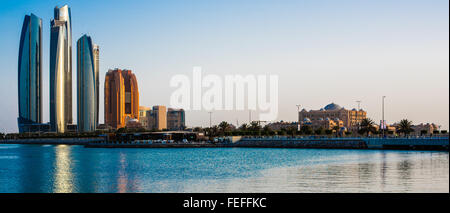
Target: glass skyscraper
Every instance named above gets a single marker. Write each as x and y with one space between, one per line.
97 82
61 70
30 74
86 85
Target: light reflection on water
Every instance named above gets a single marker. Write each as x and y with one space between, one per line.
63 175
35 168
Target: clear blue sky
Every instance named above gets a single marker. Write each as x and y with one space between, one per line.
322 51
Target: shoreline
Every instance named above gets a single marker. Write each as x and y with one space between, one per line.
424 143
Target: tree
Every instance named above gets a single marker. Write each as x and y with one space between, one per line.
319 131
404 126
306 129
224 127
243 127
367 126
266 130
214 130
423 132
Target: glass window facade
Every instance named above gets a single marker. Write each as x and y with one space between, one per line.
30 74
86 86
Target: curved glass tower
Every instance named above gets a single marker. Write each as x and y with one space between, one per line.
61 70
86 85
30 73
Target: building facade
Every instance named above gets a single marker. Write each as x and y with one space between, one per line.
143 116
334 112
61 70
86 86
30 74
157 118
96 51
323 123
277 126
121 97
176 119
429 128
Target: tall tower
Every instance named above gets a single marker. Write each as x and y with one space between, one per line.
121 97
97 70
30 73
86 87
61 70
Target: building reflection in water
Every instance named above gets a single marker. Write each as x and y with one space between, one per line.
63 177
122 181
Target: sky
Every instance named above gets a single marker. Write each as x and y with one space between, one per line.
322 51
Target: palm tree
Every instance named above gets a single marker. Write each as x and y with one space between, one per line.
367 126
243 127
405 126
198 129
214 130
267 130
255 127
224 126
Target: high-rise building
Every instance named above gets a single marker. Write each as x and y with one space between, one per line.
86 85
143 116
121 97
30 73
157 118
61 70
97 81
175 119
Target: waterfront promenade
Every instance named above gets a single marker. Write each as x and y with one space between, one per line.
401 143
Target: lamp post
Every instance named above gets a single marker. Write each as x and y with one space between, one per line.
210 120
357 112
382 114
298 117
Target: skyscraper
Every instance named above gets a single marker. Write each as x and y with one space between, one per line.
86 85
121 97
97 82
30 73
61 70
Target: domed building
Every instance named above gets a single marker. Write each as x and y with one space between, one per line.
338 114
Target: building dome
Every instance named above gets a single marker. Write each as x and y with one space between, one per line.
327 119
307 120
320 119
332 106
353 109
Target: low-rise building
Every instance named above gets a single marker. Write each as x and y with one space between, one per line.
277 126
176 119
350 118
143 116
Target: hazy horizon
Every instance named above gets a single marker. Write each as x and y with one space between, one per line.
322 52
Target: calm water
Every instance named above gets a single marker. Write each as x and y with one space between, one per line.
46 168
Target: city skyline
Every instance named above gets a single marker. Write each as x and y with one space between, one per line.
416 84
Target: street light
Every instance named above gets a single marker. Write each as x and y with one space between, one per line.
298 117
382 114
210 119
357 112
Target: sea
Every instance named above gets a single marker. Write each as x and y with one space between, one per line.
76 169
